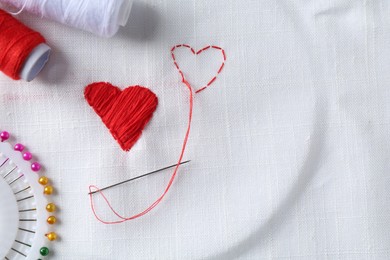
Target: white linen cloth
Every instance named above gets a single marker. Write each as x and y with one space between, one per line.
289 147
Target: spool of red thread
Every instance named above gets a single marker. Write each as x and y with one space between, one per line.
23 51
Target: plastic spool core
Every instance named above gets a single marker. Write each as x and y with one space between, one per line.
35 62
124 12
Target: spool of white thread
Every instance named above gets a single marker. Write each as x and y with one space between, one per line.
101 17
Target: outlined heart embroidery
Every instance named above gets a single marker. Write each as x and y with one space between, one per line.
210 47
125 113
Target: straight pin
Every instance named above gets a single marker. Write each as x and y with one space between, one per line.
10 172
27 230
22 243
26 198
138 177
22 190
18 252
26 210
4 162
16 179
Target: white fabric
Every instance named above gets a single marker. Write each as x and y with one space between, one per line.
289 147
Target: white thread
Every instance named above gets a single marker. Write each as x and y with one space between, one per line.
101 17
2 6
21 9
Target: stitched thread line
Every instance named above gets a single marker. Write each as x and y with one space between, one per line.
197 53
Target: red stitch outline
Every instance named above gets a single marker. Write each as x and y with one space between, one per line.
205 48
220 69
211 81
209 47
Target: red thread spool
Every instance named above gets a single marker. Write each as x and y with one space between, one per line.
23 52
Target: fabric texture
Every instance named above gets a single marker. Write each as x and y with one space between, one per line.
289 147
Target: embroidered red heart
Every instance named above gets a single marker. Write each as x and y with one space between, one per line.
210 47
125 113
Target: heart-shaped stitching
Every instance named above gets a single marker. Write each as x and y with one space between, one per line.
125 113
210 47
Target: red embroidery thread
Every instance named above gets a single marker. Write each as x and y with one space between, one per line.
191 101
125 113
16 43
197 53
